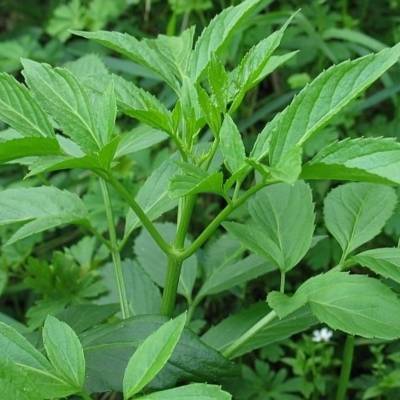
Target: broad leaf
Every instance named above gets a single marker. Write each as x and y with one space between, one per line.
195 391
40 208
232 328
21 111
383 261
66 99
151 356
15 348
216 34
109 348
286 215
143 52
232 146
356 212
153 196
284 305
328 94
355 304
14 149
154 261
64 351
368 159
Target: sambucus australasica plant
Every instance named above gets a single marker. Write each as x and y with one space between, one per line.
64 118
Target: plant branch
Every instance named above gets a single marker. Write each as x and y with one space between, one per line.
344 378
114 251
162 244
259 326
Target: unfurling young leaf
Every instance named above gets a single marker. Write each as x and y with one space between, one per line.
356 212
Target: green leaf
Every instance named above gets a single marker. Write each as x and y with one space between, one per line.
139 138
109 348
64 351
154 261
328 94
288 168
15 348
40 208
218 79
284 305
14 149
383 261
151 356
221 336
153 196
227 276
355 304
66 99
285 216
195 391
21 111
356 212
232 147
142 52
216 35
364 159
254 64
106 112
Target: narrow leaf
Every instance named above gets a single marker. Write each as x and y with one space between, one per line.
365 159
318 102
216 34
232 147
21 111
356 212
65 98
355 304
151 356
383 261
195 391
106 112
64 351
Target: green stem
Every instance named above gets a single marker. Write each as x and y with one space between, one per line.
210 229
344 378
85 396
114 251
162 244
260 325
175 259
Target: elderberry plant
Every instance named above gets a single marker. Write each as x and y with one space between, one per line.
65 118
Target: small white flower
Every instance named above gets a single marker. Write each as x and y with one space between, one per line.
322 335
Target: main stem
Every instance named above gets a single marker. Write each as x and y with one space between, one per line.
123 299
344 378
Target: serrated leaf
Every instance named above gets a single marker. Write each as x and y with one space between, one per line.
215 36
355 304
383 261
356 212
288 168
139 51
139 138
154 261
218 79
153 196
318 102
64 351
195 391
284 305
21 111
211 112
66 99
106 112
254 65
285 214
221 336
41 208
232 146
14 149
151 356
14 347
109 348
365 159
